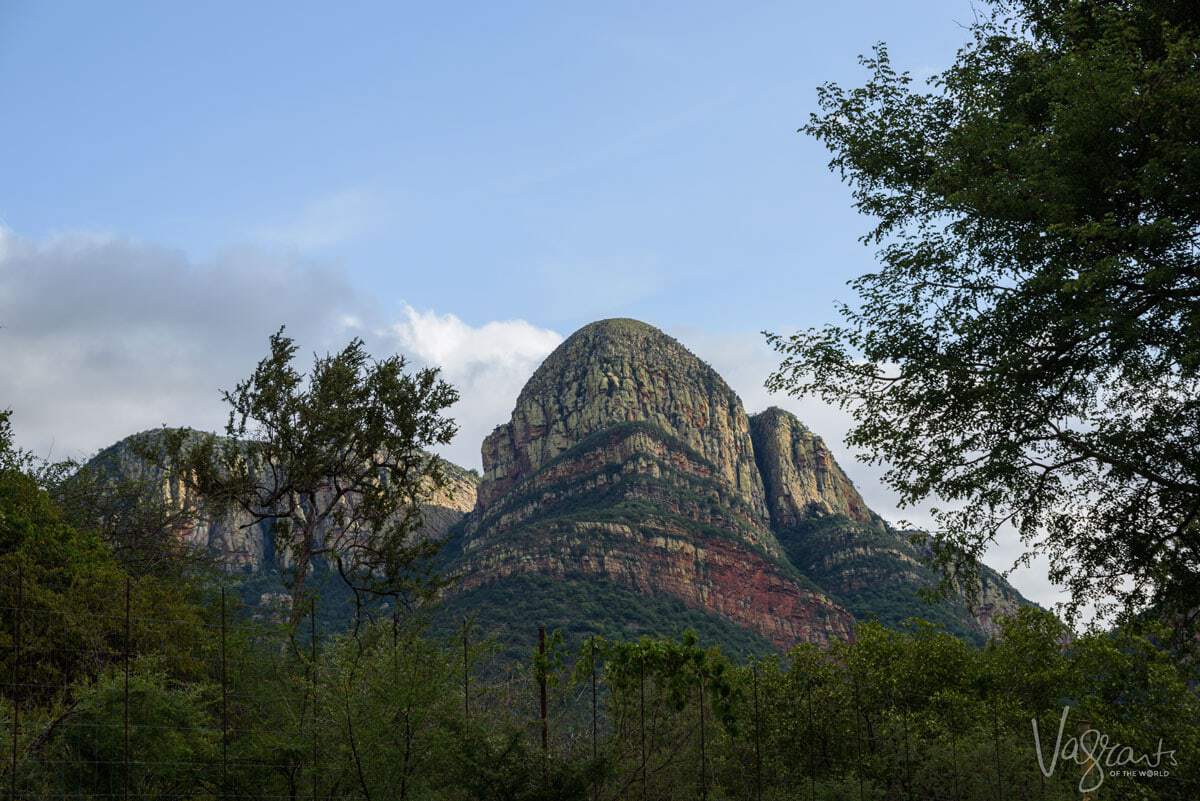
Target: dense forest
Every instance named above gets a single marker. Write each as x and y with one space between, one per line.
122 680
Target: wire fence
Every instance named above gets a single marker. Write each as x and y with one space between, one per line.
123 703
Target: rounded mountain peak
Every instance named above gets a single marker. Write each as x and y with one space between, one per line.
613 372
620 325
618 341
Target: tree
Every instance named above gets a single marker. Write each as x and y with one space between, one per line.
72 616
122 503
126 503
12 457
1029 348
334 462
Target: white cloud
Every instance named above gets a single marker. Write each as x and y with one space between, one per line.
102 337
488 364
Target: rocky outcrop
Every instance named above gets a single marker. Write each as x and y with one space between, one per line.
628 460
800 475
445 506
987 597
234 539
622 371
633 506
664 557
832 536
994 600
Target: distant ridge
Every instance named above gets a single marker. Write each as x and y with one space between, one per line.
631 493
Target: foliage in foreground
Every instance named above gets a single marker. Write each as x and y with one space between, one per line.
333 461
388 712
158 685
1027 349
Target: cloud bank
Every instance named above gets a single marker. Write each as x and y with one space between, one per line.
103 336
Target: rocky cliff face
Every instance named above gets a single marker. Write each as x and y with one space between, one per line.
634 507
445 506
800 475
622 371
830 535
628 462
240 544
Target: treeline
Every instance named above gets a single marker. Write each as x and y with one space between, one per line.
124 682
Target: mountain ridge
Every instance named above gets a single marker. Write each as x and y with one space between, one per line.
630 471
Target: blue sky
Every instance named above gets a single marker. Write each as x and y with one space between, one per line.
466 184
553 162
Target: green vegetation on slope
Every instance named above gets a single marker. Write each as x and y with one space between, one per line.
880 584
509 611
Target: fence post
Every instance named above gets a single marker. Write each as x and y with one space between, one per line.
907 756
125 747
812 768
596 785
858 740
312 651
996 750
542 702
642 715
16 719
466 674
757 741
954 759
703 754
224 706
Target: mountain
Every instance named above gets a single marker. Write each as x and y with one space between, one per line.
630 471
241 544
630 493
628 467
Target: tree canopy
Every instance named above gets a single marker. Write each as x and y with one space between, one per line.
1029 347
333 460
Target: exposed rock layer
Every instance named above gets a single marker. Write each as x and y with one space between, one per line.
620 371
628 460
799 473
629 463
635 507
240 543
